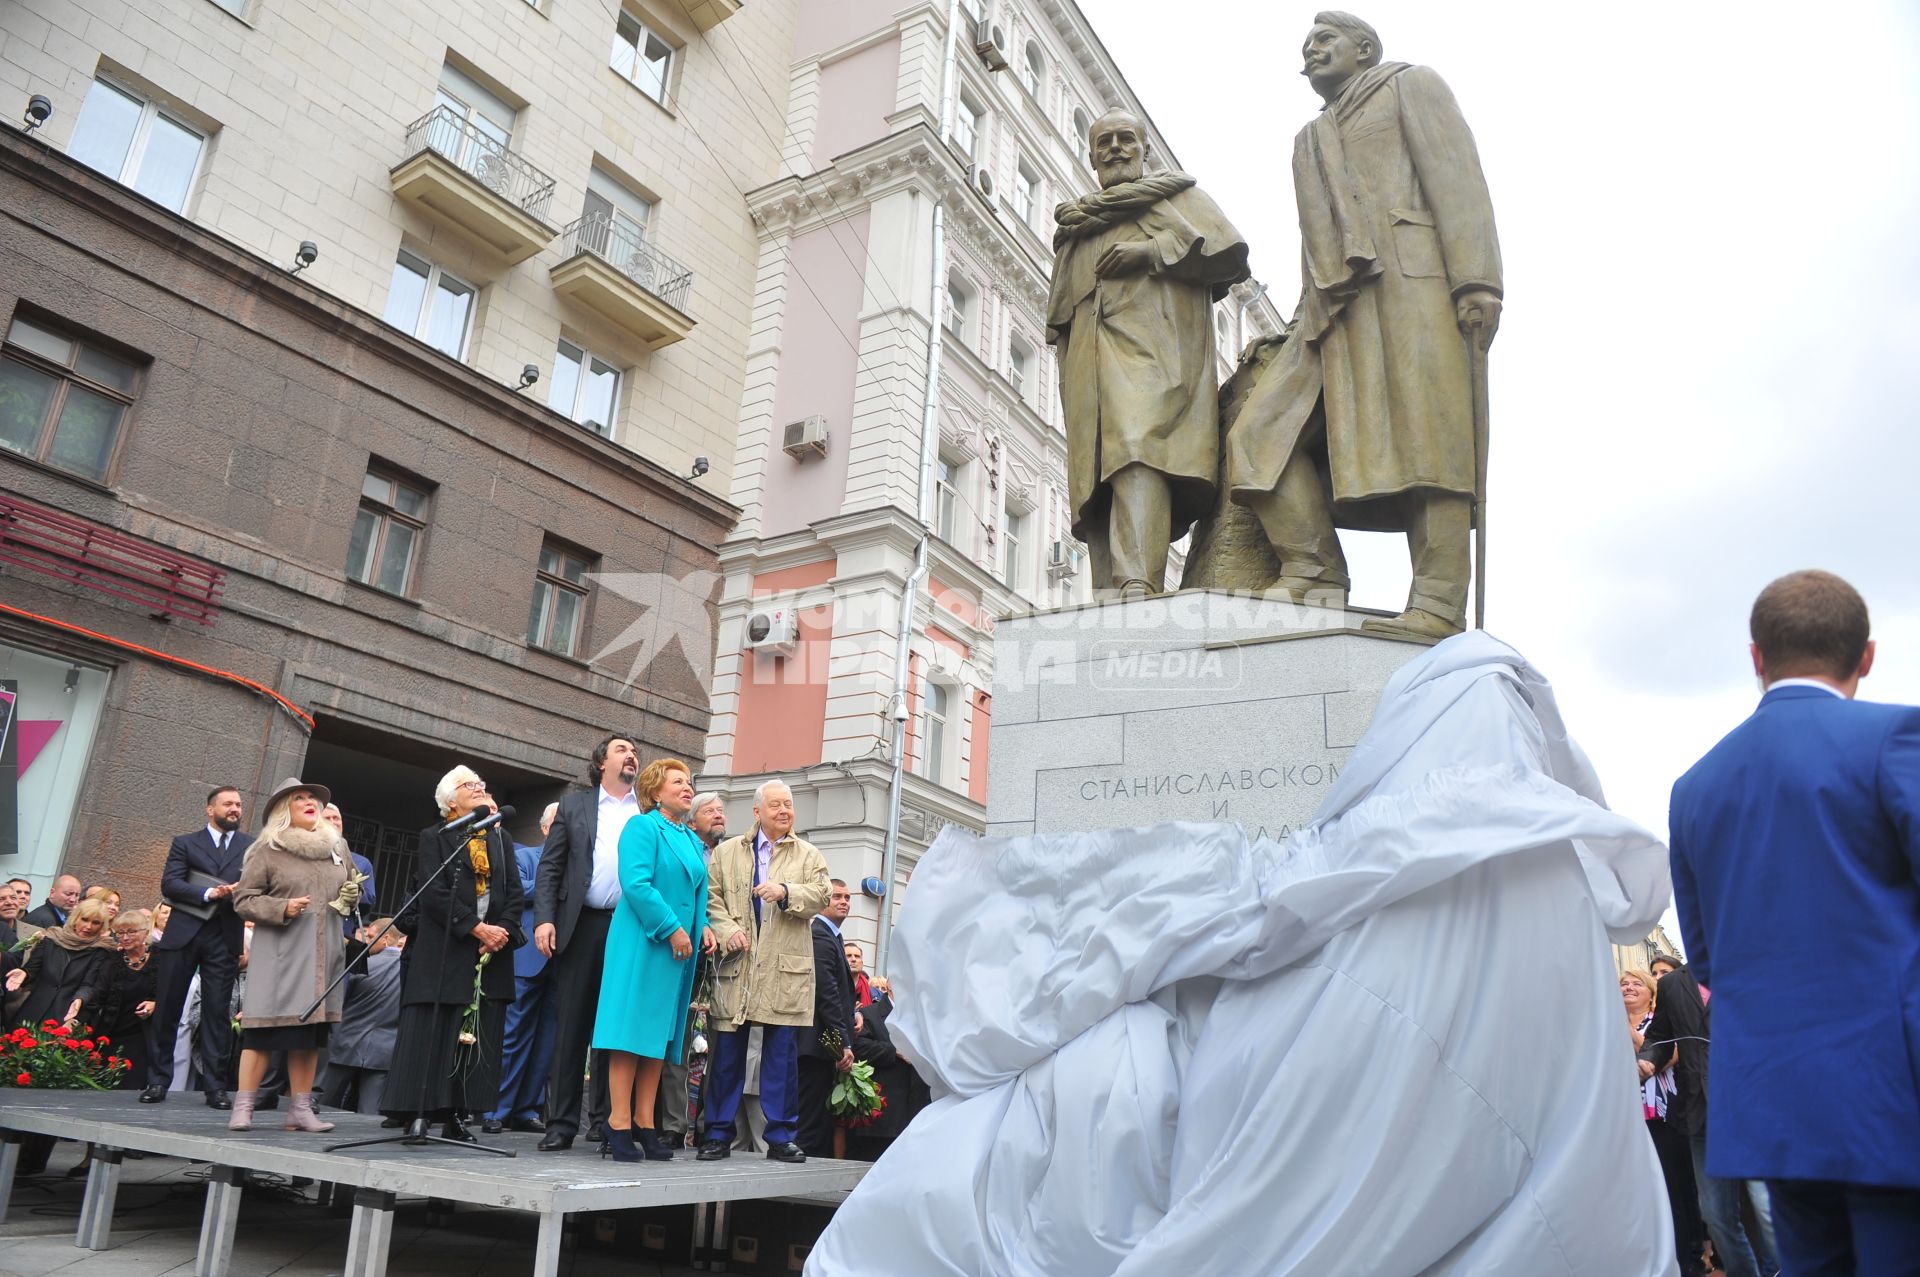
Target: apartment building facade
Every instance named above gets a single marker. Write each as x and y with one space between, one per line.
358 355
836 385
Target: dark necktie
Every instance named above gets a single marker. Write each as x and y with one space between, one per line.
226 840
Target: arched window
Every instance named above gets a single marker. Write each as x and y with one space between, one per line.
1033 70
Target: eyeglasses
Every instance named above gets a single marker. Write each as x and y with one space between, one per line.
475 783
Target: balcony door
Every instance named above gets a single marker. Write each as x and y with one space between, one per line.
473 129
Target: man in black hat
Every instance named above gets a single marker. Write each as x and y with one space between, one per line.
204 935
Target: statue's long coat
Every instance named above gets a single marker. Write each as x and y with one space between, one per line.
1137 375
1395 223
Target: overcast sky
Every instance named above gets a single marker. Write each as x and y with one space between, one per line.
1708 371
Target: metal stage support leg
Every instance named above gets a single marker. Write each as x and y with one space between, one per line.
370 1233
96 1208
546 1250
9 1164
697 1258
214 1258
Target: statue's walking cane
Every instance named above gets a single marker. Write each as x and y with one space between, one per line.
1477 376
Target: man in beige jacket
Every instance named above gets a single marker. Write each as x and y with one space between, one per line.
763 889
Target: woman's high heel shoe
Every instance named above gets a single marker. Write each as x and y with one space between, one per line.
619 1145
655 1148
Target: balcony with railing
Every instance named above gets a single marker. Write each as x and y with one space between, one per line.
607 266
464 178
708 14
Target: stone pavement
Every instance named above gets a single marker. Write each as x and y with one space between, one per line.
282 1231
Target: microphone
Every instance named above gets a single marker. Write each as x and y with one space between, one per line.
489 821
459 823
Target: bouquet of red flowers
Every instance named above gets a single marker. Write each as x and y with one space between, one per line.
857 1099
59 1058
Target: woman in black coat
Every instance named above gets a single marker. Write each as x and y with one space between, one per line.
905 1093
126 1011
65 973
472 909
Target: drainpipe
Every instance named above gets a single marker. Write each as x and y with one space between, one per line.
916 579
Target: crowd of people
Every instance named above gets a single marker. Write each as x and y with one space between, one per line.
637 975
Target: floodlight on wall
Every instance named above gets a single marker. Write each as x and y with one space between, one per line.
528 375
306 255
39 111
700 467
73 679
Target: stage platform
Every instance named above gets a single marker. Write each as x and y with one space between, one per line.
550 1185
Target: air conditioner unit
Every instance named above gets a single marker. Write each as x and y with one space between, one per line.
1063 561
773 631
806 438
989 41
982 181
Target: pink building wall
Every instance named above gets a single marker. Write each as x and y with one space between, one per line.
783 704
818 340
977 764
824 25
857 94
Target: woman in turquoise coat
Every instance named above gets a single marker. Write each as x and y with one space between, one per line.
648 979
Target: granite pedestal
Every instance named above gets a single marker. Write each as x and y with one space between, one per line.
1200 705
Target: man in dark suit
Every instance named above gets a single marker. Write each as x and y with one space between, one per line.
62 896
833 1024
204 935
575 891
1805 820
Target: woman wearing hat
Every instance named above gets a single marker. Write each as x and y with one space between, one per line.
446 1059
296 868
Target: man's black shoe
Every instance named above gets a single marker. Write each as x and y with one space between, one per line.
453 1130
267 1103
220 1100
392 1123
788 1152
153 1095
597 1134
492 1126
713 1151
555 1142
533 1125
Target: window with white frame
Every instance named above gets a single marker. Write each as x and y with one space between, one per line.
1082 125
1033 71
585 387
1026 190
430 304
474 126
974 16
947 500
968 116
1013 542
614 218
936 726
387 530
559 607
1020 367
959 309
642 56
138 142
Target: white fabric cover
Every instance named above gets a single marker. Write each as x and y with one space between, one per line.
1391 1044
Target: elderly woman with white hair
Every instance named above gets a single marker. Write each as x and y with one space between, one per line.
459 979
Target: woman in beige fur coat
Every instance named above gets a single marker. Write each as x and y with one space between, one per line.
296 868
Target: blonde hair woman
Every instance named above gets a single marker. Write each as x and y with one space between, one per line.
66 969
295 869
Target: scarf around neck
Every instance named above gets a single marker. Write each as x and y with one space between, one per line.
64 936
1339 253
1091 214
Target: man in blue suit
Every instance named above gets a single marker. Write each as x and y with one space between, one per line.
1805 821
204 935
526 1048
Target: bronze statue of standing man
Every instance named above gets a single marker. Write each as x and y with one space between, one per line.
1365 418
1137 268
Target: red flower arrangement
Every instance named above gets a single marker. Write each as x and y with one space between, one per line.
56 1058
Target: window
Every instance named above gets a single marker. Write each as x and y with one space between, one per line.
386 531
947 499
62 400
1082 126
935 700
967 117
615 221
559 599
642 57
430 304
477 126
1026 191
971 10
959 309
1011 569
1033 71
1020 366
238 8
585 387
135 141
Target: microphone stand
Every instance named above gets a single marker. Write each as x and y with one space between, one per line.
416 1132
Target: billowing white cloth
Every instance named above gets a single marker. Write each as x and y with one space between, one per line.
1391 1044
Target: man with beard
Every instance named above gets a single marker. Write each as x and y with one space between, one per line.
575 891
1137 268
710 819
1365 418
203 936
